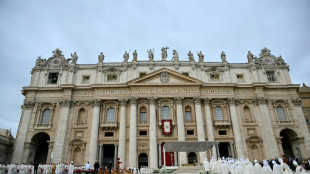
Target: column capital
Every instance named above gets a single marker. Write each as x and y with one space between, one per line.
96 102
122 101
178 100
207 101
133 100
29 104
233 100
197 100
66 102
296 101
260 100
152 100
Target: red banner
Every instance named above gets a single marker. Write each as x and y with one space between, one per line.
166 127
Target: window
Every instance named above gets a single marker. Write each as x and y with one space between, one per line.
308 123
219 113
271 76
188 113
81 116
143 133
190 132
239 77
46 117
109 134
110 115
142 74
222 132
247 113
52 78
112 77
185 73
142 114
85 80
165 111
215 77
281 113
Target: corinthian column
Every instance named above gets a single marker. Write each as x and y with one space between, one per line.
236 127
153 137
302 126
269 140
181 132
209 124
133 133
59 149
122 132
93 145
199 123
22 132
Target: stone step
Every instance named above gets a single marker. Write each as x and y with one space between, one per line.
188 169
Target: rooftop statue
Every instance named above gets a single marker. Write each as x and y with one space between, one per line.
74 58
126 57
150 55
223 57
201 57
100 58
250 56
190 56
175 55
135 55
164 53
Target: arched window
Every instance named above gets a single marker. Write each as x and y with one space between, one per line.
188 113
219 113
110 115
165 111
81 116
281 113
247 113
143 114
46 116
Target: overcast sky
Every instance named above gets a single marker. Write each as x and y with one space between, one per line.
29 29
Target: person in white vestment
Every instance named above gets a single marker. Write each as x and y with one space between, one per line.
213 165
266 168
22 169
248 168
71 168
257 168
299 169
57 171
276 168
232 167
284 166
206 165
1 168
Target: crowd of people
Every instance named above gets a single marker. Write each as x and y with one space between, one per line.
244 166
218 166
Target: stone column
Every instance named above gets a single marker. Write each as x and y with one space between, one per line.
115 153
133 133
236 127
269 140
159 154
100 154
232 149
152 136
59 145
302 126
122 132
200 127
209 124
22 132
181 131
93 145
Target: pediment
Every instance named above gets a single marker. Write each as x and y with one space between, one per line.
164 77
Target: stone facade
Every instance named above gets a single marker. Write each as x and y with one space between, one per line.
6 146
304 95
88 112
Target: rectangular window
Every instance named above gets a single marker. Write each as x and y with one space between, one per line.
108 134
85 79
215 77
143 133
190 132
52 78
239 77
142 74
185 73
142 116
112 77
271 76
188 115
308 123
222 132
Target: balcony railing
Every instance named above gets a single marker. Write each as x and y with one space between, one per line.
143 122
109 125
43 126
287 122
221 123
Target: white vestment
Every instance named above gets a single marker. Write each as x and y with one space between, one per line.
206 165
257 169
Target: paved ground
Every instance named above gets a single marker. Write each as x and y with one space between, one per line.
188 170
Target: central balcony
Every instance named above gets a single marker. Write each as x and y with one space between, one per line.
109 125
222 123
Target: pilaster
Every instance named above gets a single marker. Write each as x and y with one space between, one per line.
133 133
209 124
152 136
122 132
199 123
181 131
